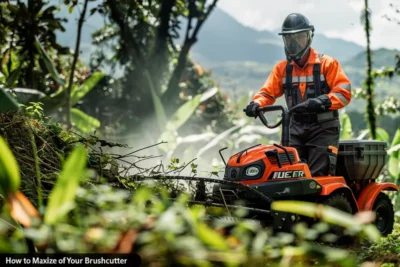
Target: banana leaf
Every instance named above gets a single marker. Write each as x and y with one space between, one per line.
83 121
180 117
47 61
78 93
7 102
394 159
346 131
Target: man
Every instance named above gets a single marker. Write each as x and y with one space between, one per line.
317 80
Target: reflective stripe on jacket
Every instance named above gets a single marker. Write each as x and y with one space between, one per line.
333 80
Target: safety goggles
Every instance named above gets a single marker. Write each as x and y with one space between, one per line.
298 36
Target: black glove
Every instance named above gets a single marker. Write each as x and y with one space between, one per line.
318 104
251 109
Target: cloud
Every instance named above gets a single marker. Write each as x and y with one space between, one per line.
334 18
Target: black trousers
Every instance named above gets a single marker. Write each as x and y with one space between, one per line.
317 143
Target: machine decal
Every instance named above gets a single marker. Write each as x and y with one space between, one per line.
288 174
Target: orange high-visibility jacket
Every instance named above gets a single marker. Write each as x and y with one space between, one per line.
333 81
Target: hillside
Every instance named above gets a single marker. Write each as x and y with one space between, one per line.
242 77
224 39
380 58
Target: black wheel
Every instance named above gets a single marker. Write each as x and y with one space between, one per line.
337 200
384 214
340 202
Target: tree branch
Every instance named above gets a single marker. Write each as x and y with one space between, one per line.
173 88
159 58
116 15
74 61
201 21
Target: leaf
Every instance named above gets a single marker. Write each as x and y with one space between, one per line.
7 102
181 116
6 57
62 197
83 121
25 95
393 149
93 10
210 237
209 93
327 214
126 242
6 246
160 112
396 141
10 179
363 134
177 120
71 9
17 60
394 159
85 88
218 139
258 129
382 135
183 113
21 208
4 61
244 100
13 77
248 139
28 91
372 232
49 65
346 129
196 138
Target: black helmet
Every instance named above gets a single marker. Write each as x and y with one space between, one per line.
297 33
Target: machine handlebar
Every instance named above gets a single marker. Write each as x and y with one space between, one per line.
285 121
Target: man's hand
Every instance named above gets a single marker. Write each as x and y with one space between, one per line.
251 109
315 105
318 104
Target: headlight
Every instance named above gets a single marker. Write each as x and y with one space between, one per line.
252 171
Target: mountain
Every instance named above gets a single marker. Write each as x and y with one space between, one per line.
224 39
340 49
239 56
380 58
221 39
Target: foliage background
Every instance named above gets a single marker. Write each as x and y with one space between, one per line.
166 76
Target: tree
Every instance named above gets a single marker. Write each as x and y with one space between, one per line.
390 105
190 39
369 82
141 34
32 58
74 61
28 34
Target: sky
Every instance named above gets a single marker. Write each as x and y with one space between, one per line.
333 18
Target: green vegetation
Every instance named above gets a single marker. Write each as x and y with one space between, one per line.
102 217
79 130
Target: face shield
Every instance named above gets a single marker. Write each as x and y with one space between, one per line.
295 43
